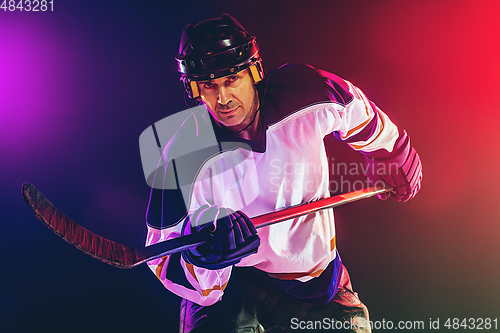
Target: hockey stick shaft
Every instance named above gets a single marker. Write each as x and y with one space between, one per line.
171 246
315 206
123 256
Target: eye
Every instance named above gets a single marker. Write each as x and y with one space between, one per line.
208 85
232 78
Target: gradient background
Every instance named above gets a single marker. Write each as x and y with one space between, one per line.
79 85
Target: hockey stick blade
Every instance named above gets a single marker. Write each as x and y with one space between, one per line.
123 256
101 248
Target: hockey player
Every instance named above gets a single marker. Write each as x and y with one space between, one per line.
267 153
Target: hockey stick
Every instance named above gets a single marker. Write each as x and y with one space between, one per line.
123 256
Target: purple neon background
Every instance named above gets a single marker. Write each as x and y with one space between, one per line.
79 85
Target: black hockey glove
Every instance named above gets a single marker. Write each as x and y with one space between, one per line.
234 237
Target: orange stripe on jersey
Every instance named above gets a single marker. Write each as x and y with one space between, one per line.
293 276
160 266
333 244
205 292
190 269
363 99
348 134
359 147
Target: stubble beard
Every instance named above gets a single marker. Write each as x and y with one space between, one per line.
249 118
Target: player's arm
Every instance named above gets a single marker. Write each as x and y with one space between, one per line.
197 284
199 274
389 155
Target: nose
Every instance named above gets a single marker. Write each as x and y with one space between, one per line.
225 96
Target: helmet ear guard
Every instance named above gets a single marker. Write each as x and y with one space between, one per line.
257 72
194 89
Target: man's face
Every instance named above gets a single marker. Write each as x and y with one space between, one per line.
232 100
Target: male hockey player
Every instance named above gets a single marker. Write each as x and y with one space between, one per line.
267 153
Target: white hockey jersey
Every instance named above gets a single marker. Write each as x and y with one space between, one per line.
286 167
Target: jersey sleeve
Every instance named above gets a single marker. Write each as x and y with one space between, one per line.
202 286
168 207
363 126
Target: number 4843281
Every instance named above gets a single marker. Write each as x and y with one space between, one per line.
472 323
27 5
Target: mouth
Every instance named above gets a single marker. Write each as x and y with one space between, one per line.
229 112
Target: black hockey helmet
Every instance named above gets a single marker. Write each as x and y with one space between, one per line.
216 48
